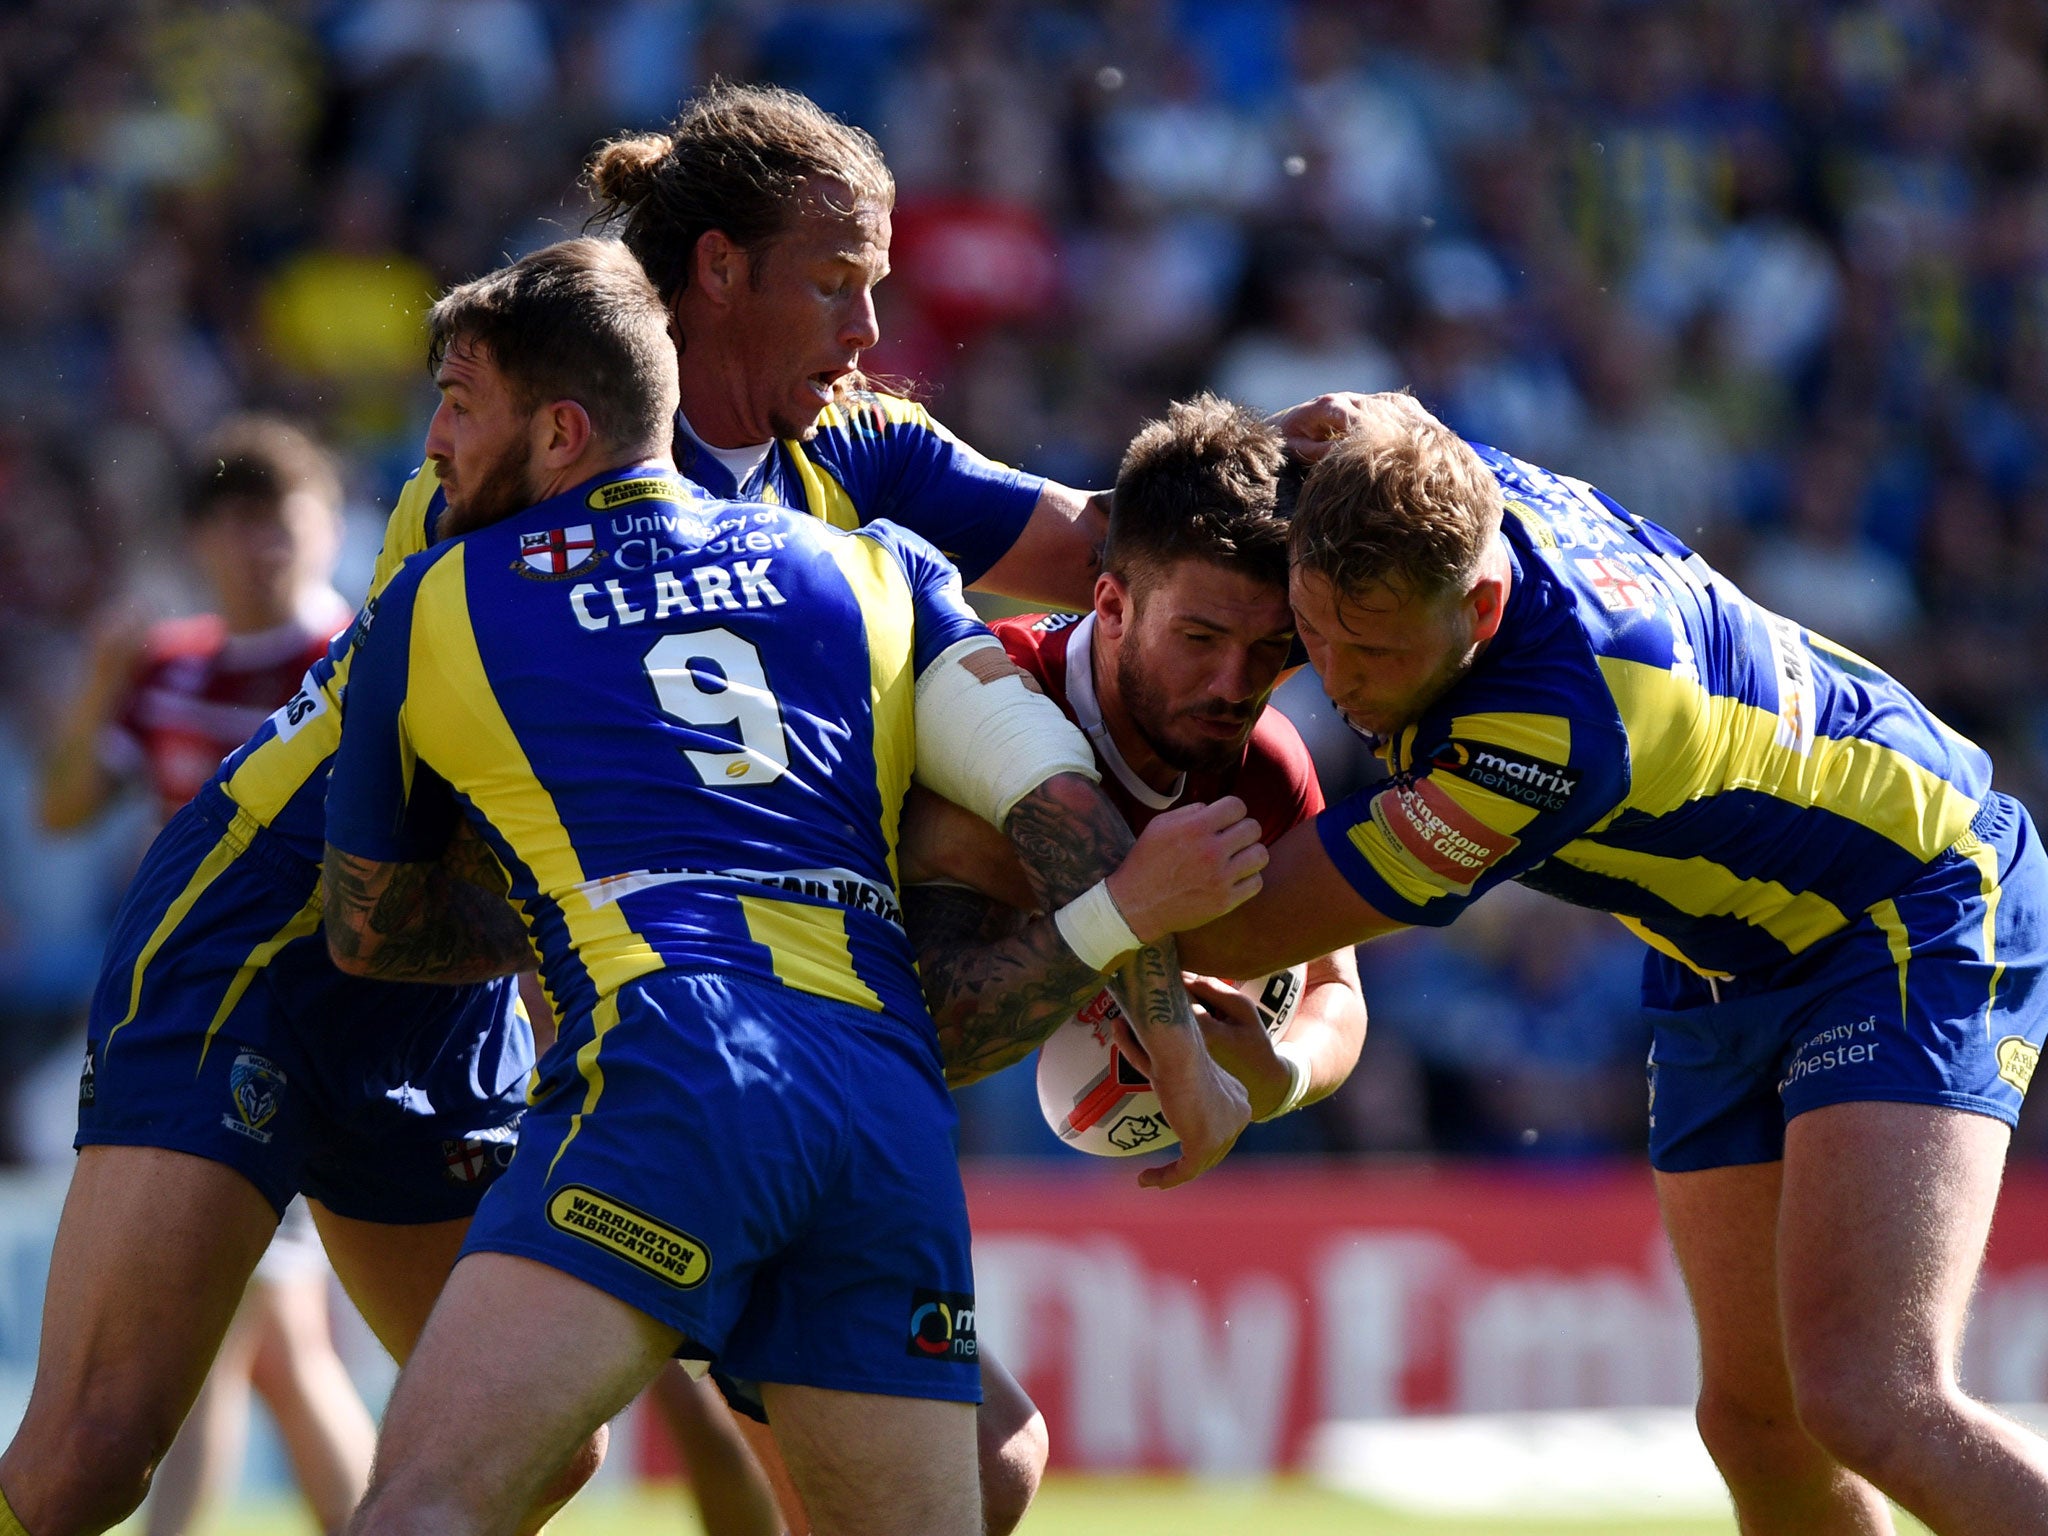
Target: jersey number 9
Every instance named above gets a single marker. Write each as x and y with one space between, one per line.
711 678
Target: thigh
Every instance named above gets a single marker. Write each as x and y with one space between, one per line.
1723 1224
393 1273
869 1465
477 1430
152 1254
1886 1209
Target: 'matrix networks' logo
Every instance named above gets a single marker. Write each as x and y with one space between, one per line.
942 1326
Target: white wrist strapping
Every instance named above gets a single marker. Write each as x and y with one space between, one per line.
1094 930
1296 1057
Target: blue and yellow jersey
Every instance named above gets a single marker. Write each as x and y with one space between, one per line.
876 456
696 762
1643 739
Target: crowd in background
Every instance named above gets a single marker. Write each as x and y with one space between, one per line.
1773 274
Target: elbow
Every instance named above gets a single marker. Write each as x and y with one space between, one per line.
347 960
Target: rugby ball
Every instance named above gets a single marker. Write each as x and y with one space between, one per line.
1095 1098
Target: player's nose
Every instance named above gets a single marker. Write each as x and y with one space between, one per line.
860 330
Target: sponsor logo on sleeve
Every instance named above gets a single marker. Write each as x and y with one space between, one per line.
1513 776
942 1326
1449 846
87 1093
665 1253
2016 1061
557 553
308 704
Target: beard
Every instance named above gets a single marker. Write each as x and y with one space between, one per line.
498 490
1153 718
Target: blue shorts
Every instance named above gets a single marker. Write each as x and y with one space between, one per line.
220 1028
770 1173
1933 997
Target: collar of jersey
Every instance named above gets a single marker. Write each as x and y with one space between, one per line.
1088 715
704 450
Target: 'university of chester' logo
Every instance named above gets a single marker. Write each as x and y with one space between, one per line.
557 553
256 1085
942 1326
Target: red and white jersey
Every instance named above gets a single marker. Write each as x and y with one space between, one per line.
1276 778
200 692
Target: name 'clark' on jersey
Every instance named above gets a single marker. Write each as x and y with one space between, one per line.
1275 777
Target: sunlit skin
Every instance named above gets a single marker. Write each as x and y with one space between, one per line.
1183 671
262 555
769 336
1384 656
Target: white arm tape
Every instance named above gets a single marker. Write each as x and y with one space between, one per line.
1298 1074
1094 929
984 739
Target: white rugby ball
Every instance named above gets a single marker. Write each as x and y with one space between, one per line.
1096 1099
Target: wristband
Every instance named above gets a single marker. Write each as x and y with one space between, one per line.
1094 930
1296 1057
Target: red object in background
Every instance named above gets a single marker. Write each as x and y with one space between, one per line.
1212 1327
972 263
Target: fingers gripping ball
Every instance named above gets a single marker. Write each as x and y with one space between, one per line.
1096 1099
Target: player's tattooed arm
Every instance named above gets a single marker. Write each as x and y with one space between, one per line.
444 921
997 981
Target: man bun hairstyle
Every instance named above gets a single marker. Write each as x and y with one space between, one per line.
736 160
258 458
1202 484
573 321
1402 503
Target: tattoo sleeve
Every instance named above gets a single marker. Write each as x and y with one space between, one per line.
445 921
998 982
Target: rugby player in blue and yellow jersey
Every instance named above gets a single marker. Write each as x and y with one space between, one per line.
1845 925
741 1146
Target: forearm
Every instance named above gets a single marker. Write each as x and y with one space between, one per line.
1058 554
419 922
997 981
75 783
1329 1027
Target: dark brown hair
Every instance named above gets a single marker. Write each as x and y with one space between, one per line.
1201 484
257 458
1402 503
573 321
736 160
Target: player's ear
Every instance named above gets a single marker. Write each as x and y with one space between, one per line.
1488 601
718 267
562 432
1112 605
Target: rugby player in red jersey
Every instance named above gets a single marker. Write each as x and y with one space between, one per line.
1169 676
165 705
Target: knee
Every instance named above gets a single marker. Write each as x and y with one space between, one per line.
87 1477
1867 1418
579 1469
1757 1444
1012 1467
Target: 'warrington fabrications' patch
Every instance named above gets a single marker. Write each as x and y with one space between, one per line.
647 488
634 1236
2016 1059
